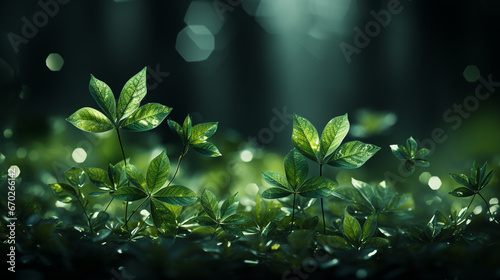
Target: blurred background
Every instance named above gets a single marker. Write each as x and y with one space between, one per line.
427 69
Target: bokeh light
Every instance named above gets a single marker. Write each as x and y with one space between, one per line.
435 183
195 43
471 73
54 62
79 155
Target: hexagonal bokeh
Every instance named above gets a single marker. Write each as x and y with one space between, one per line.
54 62
203 13
195 43
471 73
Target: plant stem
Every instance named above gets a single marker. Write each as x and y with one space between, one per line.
85 213
184 152
125 163
135 210
322 209
293 210
121 146
109 204
488 207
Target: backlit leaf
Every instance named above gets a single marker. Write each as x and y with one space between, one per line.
352 154
275 179
64 192
229 206
176 195
76 177
296 168
104 97
158 171
305 138
146 117
272 193
90 120
334 132
206 149
352 229
210 204
131 95
461 192
201 132
129 193
317 187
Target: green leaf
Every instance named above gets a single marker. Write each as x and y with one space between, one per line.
352 229
370 227
163 217
95 194
399 152
235 219
90 120
76 177
359 210
101 219
422 162
422 153
176 195
99 177
276 179
158 171
64 192
206 221
376 243
207 149
229 206
131 95
461 179
201 132
135 176
296 168
177 129
187 127
334 241
272 193
104 97
334 132
352 154
462 192
410 166
411 146
474 176
365 190
305 138
487 179
146 117
317 187
129 193
232 229
310 223
210 204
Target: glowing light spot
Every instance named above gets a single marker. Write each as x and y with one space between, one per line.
2 158
471 73
435 183
79 155
494 200
21 153
478 210
143 122
361 273
8 133
372 253
15 170
424 177
144 212
60 204
155 122
54 62
252 189
275 246
246 156
195 43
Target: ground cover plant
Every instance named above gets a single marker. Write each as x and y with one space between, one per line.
161 228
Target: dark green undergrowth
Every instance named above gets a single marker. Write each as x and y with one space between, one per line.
118 221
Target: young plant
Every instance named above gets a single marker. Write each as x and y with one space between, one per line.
71 191
366 200
411 154
124 114
294 182
327 149
226 217
196 136
473 184
355 236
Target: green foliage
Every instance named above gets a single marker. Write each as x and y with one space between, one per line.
328 148
226 217
127 114
411 154
196 136
365 200
473 184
